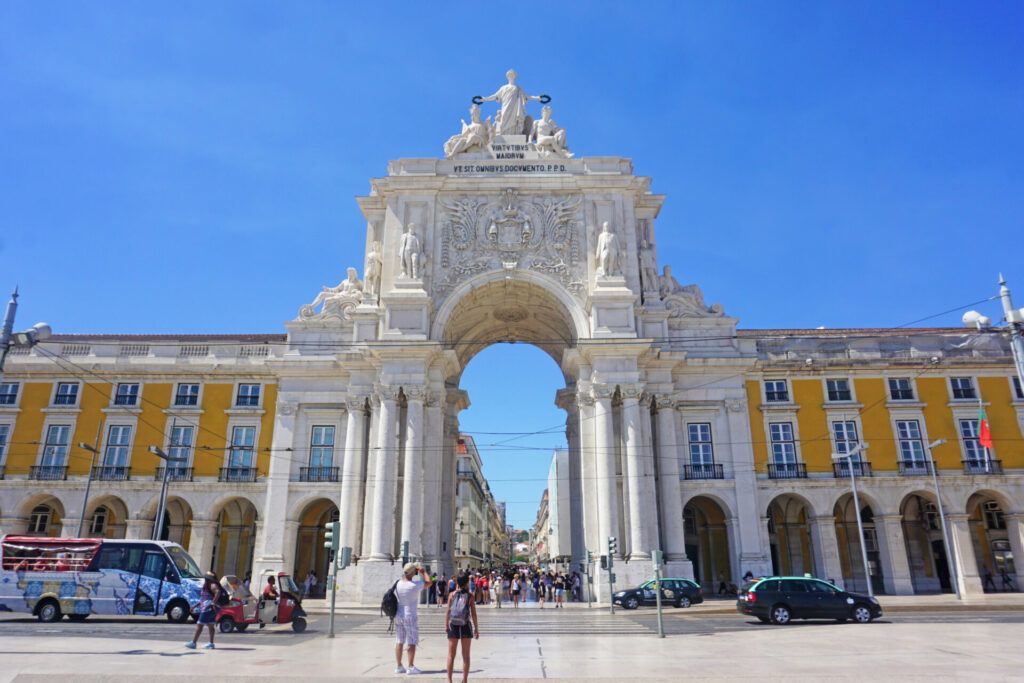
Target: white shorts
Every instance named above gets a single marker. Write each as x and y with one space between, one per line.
407 629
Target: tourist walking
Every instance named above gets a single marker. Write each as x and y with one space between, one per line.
442 590
497 587
517 586
407 627
462 626
309 584
209 596
559 592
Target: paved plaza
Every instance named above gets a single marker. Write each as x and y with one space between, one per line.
929 639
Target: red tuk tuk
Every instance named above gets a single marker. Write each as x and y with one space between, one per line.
244 608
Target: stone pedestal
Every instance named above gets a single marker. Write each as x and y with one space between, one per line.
611 308
407 311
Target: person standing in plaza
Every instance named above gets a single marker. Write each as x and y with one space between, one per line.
209 595
442 590
462 626
559 586
497 586
517 586
407 627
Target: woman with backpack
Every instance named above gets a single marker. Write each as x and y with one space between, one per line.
462 625
209 598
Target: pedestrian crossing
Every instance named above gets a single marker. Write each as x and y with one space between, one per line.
521 622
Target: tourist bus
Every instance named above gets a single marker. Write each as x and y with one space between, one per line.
51 577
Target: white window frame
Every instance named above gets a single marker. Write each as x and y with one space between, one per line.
234 424
974 387
332 448
764 391
922 437
238 394
137 397
849 388
910 383
6 441
186 406
34 517
845 420
794 439
701 444
981 454
17 395
107 445
44 443
56 388
96 515
170 449
1014 383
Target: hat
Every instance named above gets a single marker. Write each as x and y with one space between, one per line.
410 568
211 576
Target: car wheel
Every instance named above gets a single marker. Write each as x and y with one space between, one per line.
177 613
862 614
683 602
227 625
780 615
298 624
48 611
631 603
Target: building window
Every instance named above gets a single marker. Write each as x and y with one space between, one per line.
118 439
908 433
776 391
900 389
783 443
127 395
321 446
993 515
67 394
1017 392
963 387
838 390
931 516
99 520
55 449
248 395
8 393
5 435
187 395
39 521
969 435
180 447
702 450
845 435
243 443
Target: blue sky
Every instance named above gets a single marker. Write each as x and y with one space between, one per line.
191 167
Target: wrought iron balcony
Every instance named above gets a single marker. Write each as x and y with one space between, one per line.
49 472
110 473
983 466
318 474
710 470
787 470
174 474
242 474
915 468
841 468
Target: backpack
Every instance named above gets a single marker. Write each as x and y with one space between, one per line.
223 598
389 605
459 615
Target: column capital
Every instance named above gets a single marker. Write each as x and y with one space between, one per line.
665 403
287 407
631 391
355 401
1010 516
602 392
958 517
888 519
386 392
646 400
416 393
824 519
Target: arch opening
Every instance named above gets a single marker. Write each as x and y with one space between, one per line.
310 554
708 545
789 534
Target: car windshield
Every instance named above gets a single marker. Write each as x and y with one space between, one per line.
286 584
187 567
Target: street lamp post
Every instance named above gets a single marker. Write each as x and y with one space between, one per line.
95 450
1015 321
848 456
9 338
950 563
161 509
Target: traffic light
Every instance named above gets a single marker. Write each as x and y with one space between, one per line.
658 557
613 545
344 557
332 536
604 562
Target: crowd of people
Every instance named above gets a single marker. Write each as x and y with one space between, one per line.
511 585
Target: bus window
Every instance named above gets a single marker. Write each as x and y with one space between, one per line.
123 558
187 567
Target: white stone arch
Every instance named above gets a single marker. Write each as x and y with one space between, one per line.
965 496
29 502
116 522
724 502
302 504
225 499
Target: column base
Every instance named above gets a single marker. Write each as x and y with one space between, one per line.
365 583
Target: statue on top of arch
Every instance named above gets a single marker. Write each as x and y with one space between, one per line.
338 302
685 301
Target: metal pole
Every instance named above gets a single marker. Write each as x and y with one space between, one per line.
334 593
161 509
8 328
590 585
1016 322
657 598
860 529
611 585
88 482
950 564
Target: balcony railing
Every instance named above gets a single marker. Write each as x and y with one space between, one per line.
787 470
110 473
860 469
174 474
237 474
708 470
914 468
49 472
983 466
318 474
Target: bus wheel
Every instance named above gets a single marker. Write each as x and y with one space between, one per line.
48 611
177 612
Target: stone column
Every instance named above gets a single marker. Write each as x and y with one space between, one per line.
269 551
138 528
732 531
965 560
352 473
753 542
640 541
588 470
372 455
604 455
412 486
382 541
893 551
291 539
825 547
71 522
669 494
432 474
1014 532
201 542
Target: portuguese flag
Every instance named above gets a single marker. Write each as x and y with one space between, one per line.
984 433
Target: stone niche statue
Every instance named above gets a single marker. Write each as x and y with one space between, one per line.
685 302
411 252
373 270
548 137
649 268
511 119
475 135
607 252
338 302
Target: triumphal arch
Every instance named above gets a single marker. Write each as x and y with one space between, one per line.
510 236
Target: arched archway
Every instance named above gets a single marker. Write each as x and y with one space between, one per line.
789 533
926 552
177 526
997 565
43 515
851 558
235 537
708 543
107 517
310 554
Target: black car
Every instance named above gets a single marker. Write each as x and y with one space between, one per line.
675 592
780 599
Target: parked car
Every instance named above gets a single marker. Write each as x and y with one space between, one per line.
780 599
675 592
